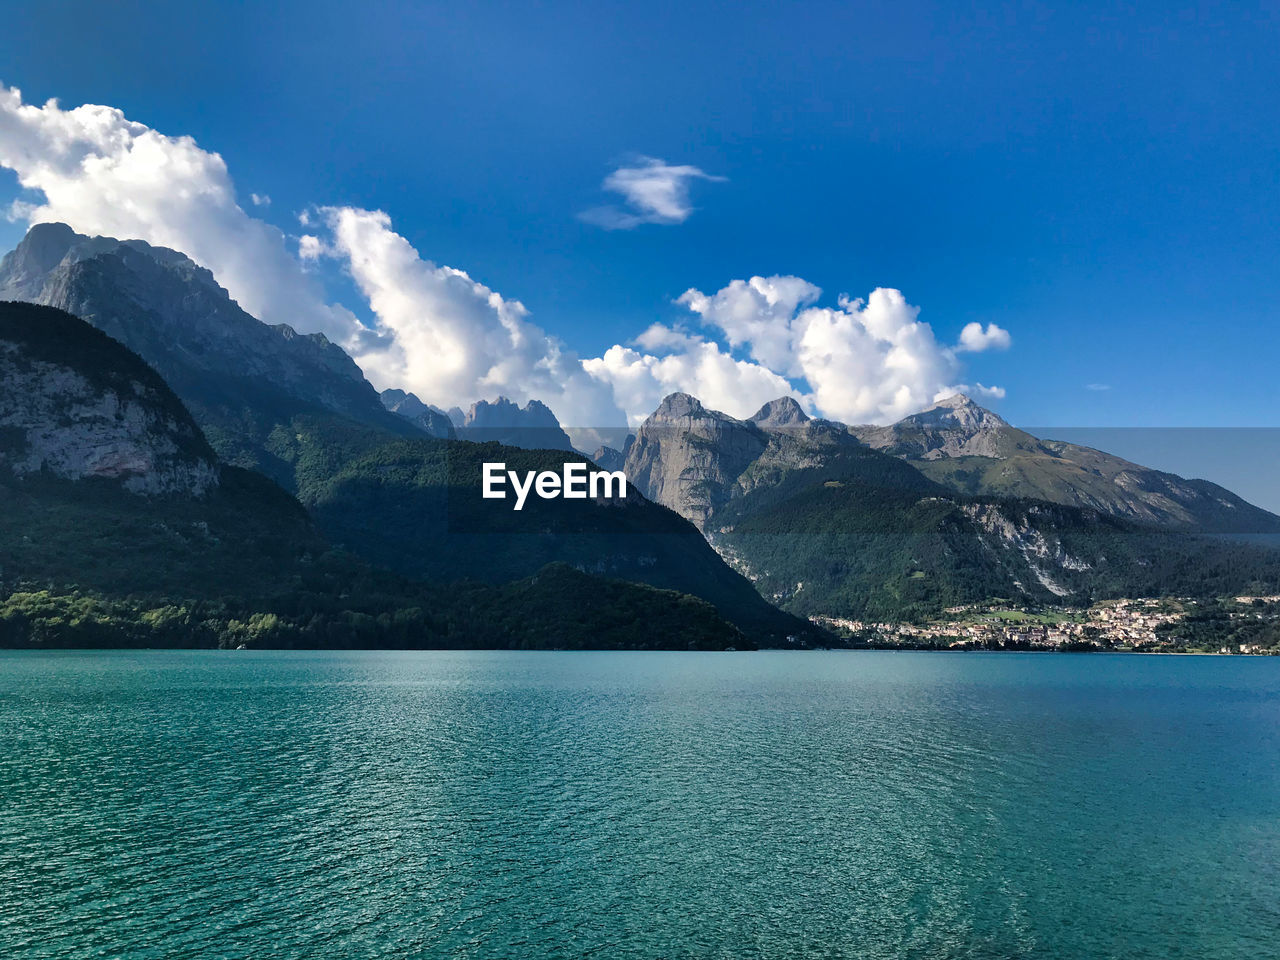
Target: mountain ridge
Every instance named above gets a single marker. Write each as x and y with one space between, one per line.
818 519
375 483
533 426
433 421
973 451
241 378
119 528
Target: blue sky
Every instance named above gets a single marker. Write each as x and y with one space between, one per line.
1100 182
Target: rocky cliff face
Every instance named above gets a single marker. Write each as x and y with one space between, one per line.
173 307
75 404
696 460
432 421
240 377
533 427
689 458
1042 555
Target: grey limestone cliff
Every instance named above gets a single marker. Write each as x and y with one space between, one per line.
240 378
101 414
533 426
432 420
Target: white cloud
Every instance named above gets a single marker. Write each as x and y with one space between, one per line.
653 191
260 199
658 337
757 314
977 391
1097 386
672 362
975 339
436 331
311 247
863 361
453 340
20 210
450 339
104 174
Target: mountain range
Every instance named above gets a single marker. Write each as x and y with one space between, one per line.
533 426
765 520
243 380
859 522
972 450
120 528
378 485
955 442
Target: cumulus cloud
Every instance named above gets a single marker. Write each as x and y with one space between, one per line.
450 338
862 361
669 361
104 174
653 191
446 336
975 339
435 331
260 199
758 314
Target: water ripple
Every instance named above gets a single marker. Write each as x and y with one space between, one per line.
482 805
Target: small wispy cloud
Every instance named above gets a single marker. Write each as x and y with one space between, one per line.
1097 386
20 210
260 199
654 192
985 392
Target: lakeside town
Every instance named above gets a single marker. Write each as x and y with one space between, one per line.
1242 625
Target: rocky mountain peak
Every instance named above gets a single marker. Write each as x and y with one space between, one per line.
783 412
503 412
607 458
964 413
688 457
402 402
110 282
25 267
952 427
49 251
533 427
536 408
431 419
676 406
237 375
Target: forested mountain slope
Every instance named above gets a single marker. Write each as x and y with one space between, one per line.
120 528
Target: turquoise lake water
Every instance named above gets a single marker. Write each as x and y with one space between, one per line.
490 805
